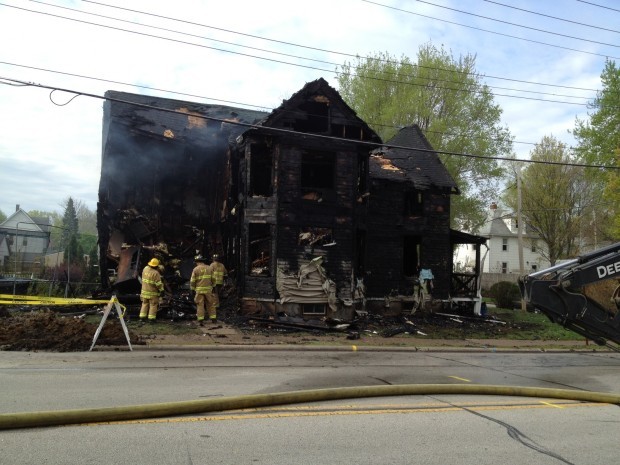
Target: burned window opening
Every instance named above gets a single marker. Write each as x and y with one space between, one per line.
414 203
411 255
313 309
259 235
316 117
317 170
261 171
346 131
315 237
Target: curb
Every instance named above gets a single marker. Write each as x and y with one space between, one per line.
339 348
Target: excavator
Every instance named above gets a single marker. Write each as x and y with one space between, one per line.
582 294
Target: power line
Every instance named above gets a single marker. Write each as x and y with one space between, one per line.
491 32
293 64
304 134
184 94
519 25
311 59
139 86
352 55
552 17
600 6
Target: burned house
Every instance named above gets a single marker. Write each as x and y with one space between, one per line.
409 224
304 211
312 215
165 185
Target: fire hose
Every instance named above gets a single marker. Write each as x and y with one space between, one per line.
170 409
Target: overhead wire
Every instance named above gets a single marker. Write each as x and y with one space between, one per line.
446 133
357 68
600 28
310 135
518 25
600 6
491 32
529 143
335 52
244 104
139 86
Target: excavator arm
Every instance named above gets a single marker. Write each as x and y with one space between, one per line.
582 295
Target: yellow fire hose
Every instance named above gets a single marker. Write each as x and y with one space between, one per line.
169 409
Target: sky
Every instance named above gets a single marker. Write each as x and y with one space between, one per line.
541 59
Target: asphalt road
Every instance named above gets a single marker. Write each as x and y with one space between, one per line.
424 429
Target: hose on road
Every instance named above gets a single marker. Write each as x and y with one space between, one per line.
170 409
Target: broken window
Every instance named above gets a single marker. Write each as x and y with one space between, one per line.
315 118
315 237
313 309
347 131
411 255
414 203
261 169
259 249
317 170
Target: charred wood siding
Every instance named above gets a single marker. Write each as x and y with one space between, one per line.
258 232
329 206
389 232
166 184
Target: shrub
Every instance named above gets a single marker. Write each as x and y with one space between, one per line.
505 294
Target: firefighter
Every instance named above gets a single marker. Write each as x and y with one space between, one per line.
219 273
152 287
201 283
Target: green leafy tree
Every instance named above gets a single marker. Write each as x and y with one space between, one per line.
598 142
2 216
446 98
556 201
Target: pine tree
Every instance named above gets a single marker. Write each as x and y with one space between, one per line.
69 232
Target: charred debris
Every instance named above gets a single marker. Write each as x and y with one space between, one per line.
315 217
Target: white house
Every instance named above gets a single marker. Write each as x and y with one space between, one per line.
502 256
27 239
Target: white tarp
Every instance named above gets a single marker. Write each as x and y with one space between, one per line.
309 286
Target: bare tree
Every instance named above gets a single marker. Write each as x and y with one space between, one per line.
556 200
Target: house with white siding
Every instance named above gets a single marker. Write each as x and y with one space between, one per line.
26 241
502 257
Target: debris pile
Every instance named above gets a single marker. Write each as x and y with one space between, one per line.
50 331
365 324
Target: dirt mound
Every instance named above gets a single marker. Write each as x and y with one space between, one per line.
49 331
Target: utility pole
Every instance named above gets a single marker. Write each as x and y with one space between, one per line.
520 230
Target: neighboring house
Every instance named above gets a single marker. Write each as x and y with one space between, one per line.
502 231
308 222
27 239
4 252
